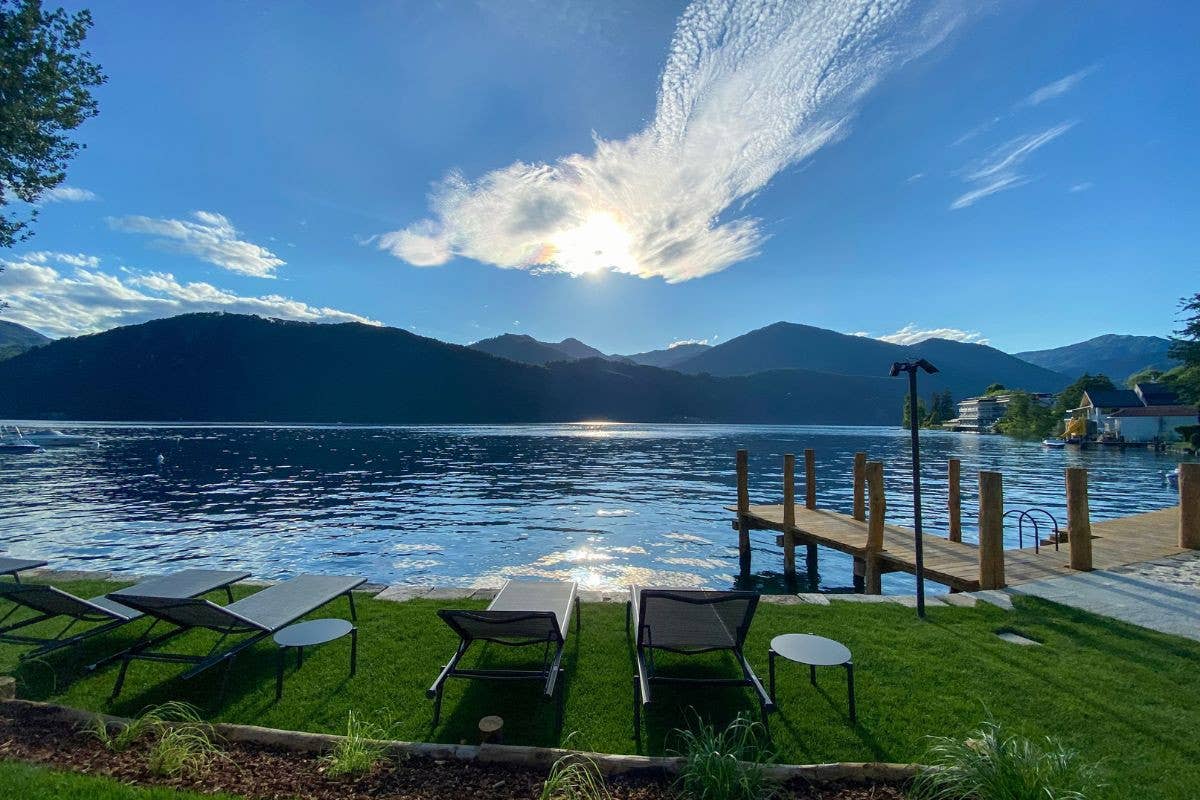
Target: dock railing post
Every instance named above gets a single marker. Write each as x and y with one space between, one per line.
860 485
872 573
955 500
991 530
1079 523
1189 506
743 508
789 516
810 479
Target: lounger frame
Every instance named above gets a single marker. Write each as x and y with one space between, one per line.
647 675
552 640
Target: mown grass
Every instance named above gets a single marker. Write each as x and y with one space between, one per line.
1118 694
37 783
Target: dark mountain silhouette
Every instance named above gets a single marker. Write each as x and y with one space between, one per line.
527 350
668 357
1114 355
227 367
966 369
16 339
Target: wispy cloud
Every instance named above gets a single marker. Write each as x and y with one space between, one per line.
67 194
913 334
998 170
682 342
1081 187
208 236
82 298
981 128
749 88
1057 88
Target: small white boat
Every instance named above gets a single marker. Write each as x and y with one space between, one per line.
1173 479
53 438
15 443
1055 443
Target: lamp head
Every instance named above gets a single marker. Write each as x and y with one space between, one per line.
896 367
925 365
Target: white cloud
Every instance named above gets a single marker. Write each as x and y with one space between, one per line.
997 170
67 194
208 236
1058 87
916 176
911 334
749 88
85 299
1081 187
682 342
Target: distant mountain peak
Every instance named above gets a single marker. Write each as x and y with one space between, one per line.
1113 354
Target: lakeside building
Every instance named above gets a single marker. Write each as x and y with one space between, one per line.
980 414
1147 413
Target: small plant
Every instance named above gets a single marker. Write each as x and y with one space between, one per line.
575 777
118 737
723 765
989 765
359 751
183 748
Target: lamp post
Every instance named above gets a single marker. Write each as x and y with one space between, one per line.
911 367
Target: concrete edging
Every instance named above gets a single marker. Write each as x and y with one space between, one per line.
513 755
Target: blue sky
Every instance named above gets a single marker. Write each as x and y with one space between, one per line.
631 173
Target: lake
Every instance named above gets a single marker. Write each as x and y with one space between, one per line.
604 504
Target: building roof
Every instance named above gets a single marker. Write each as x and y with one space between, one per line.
1156 394
1112 398
1157 411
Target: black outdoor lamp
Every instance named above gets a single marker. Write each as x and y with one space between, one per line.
911 368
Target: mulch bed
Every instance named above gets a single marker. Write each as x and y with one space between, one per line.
262 773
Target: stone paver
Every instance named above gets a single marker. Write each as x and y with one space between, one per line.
960 599
1139 595
997 597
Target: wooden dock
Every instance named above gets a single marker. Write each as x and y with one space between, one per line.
877 547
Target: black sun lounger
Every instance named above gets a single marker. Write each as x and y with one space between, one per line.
108 611
689 621
13 566
523 613
255 617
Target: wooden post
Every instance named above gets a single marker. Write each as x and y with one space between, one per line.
1189 506
810 479
860 480
743 508
955 502
1079 524
872 575
789 516
991 530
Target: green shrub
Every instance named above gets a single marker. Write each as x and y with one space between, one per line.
575 777
723 765
989 765
359 751
117 737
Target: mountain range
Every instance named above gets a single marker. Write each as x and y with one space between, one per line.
241 368
1113 355
15 339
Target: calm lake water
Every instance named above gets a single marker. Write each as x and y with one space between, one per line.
604 504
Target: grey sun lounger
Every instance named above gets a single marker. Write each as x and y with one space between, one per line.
13 566
107 610
255 617
690 621
523 613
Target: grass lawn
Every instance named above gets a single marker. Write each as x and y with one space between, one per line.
36 783
1120 695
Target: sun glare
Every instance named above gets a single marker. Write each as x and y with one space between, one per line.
600 242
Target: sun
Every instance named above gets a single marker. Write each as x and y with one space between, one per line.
599 242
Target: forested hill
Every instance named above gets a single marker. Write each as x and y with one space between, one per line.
226 367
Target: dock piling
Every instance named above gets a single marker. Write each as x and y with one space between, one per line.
1079 523
789 516
955 500
991 530
860 481
810 478
1189 506
872 573
743 508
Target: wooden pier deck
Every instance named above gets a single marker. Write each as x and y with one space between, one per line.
1128 540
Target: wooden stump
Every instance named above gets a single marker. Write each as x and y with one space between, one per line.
1079 524
491 730
991 530
872 574
1189 506
955 500
860 485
